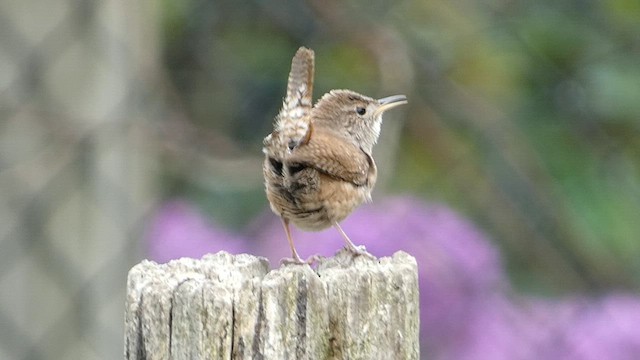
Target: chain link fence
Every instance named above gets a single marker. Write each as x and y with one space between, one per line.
75 174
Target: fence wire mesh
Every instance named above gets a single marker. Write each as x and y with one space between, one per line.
74 181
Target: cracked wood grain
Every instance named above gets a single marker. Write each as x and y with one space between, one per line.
232 307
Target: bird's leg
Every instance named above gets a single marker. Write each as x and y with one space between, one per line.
295 259
350 245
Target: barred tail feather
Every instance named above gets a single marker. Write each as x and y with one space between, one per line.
300 84
292 121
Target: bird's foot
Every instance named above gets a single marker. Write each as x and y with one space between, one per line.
296 260
359 251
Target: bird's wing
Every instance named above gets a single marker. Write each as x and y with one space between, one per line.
333 155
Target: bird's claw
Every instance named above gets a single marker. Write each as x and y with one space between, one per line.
360 251
296 260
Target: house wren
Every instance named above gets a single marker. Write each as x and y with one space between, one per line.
318 166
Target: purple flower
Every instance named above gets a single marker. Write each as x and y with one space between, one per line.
510 328
605 329
572 329
180 230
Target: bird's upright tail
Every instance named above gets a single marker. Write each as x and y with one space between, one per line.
300 85
292 122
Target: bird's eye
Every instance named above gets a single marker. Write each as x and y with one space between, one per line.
361 110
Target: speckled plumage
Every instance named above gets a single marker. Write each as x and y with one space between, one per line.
318 166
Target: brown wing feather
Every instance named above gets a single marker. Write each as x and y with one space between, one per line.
333 155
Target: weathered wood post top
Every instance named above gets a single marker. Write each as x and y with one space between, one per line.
232 307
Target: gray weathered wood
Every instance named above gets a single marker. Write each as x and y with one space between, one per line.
231 307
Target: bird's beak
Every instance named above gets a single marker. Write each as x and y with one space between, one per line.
390 102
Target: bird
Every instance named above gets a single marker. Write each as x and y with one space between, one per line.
318 164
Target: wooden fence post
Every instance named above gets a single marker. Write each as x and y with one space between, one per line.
231 307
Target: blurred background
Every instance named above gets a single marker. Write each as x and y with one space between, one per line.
523 123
